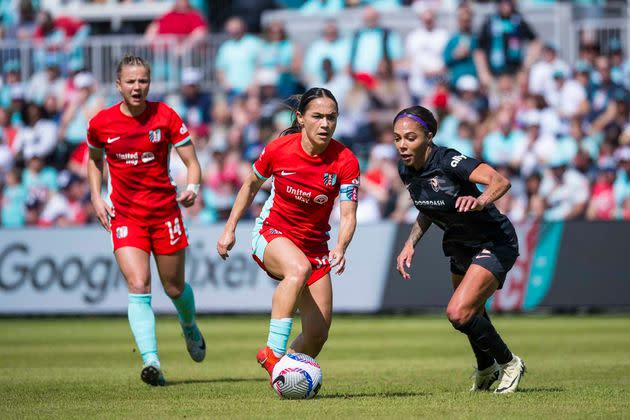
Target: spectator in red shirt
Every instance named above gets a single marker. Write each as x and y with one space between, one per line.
182 21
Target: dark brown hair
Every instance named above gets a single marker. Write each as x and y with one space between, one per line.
422 113
303 101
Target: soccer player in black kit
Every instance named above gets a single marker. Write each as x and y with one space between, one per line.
480 241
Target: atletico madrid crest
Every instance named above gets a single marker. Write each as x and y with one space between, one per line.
155 136
330 179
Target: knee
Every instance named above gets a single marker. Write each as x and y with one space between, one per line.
318 338
174 290
300 272
459 315
139 284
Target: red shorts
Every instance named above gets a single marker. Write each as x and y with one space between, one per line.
318 258
163 238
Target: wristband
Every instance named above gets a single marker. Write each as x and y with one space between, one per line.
193 187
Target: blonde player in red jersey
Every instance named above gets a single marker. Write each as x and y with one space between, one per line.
136 136
309 170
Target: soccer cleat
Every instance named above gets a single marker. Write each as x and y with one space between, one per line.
152 374
267 359
511 374
195 343
483 379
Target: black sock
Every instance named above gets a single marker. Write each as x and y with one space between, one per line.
484 360
481 332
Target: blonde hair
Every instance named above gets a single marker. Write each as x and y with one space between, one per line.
132 60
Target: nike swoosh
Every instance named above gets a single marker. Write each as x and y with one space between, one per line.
279 378
483 256
112 139
285 173
173 242
506 387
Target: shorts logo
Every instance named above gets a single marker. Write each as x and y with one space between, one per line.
435 183
182 129
356 181
330 179
456 159
147 157
275 231
122 232
321 199
155 135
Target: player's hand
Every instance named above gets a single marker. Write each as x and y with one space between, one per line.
104 213
225 243
468 203
337 259
404 260
187 198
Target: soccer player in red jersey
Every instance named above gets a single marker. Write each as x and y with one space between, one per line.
289 242
136 136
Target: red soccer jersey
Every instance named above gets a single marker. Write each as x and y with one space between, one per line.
304 188
137 152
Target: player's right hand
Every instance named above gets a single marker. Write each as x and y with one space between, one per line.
404 260
104 213
225 243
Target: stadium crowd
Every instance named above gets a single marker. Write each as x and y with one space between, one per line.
559 130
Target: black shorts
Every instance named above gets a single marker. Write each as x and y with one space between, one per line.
498 259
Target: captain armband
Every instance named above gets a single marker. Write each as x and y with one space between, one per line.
349 192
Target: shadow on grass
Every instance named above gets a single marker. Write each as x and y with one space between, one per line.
214 381
541 389
375 395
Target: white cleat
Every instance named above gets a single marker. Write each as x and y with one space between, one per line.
195 343
511 374
483 379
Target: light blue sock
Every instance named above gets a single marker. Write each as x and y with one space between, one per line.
142 323
185 305
279 331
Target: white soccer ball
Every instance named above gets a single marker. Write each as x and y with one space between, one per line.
297 376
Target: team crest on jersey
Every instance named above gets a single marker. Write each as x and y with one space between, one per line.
330 179
435 183
155 136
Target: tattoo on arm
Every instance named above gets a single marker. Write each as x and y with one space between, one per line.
418 229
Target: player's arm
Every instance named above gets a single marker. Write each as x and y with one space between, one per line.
243 200
347 226
418 229
496 185
95 178
188 155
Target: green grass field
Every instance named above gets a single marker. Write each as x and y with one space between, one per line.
405 367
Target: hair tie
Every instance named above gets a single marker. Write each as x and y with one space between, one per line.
413 117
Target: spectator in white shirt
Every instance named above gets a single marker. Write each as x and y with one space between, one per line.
566 96
564 190
541 74
424 48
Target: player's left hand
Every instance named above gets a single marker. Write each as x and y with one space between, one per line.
337 259
187 198
468 203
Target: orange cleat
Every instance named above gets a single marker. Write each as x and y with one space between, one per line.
267 359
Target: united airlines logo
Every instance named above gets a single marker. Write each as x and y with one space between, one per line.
155 135
330 179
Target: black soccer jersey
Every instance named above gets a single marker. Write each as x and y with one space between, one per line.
434 190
